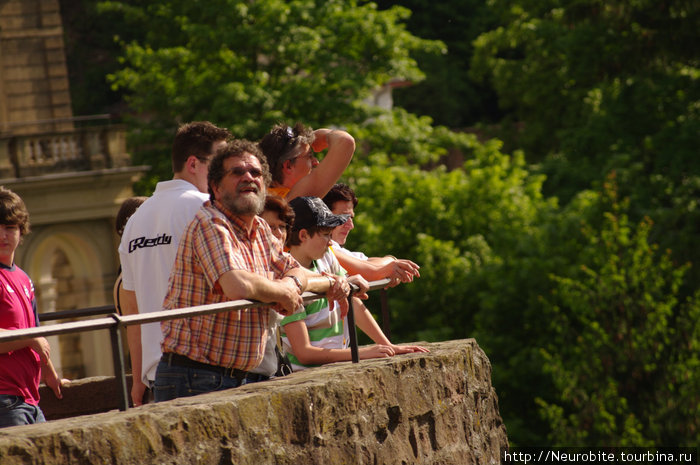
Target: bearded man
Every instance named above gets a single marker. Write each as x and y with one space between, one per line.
226 253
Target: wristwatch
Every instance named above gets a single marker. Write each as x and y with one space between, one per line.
297 282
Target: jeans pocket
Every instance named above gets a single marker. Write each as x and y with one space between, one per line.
205 381
167 386
9 402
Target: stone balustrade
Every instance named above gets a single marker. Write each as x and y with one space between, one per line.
438 407
81 149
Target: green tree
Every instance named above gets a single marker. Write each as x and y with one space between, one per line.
249 65
590 87
459 225
449 95
509 323
91 54
583 267
623 350
591 78
487 238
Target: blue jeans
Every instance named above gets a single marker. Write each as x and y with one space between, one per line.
14 411
173 381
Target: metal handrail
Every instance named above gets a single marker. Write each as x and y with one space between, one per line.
77 313
108 309
115 322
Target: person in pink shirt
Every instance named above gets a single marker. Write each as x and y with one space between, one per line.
23 363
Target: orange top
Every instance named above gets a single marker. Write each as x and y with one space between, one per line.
279 191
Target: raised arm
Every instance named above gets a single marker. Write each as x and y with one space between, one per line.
341 147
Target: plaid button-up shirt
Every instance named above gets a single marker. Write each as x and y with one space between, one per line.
215 242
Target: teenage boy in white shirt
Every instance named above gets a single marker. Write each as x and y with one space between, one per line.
341 199
150 241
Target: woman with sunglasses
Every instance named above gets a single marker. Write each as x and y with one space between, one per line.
296 172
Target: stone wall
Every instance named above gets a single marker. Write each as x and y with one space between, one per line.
418 408
34 92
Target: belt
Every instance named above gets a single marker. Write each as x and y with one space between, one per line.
180 360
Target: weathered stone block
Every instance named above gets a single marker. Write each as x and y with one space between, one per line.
26 73
51 18
418 408
29 101
19 22
16 59
83 397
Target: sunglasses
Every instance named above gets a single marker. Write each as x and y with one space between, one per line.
289 140
240 171
289 133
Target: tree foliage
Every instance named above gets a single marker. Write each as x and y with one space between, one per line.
455 23
592 330
249 65
456 224
91 54
600 86
592 88
623 350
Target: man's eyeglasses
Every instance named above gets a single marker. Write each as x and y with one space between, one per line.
240 171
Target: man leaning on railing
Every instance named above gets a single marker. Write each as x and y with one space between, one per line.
227 253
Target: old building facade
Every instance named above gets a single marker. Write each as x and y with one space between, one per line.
73 172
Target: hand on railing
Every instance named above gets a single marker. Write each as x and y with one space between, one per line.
403 271
361 286
289 298
339 288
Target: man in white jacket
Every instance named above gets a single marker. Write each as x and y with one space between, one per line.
150 241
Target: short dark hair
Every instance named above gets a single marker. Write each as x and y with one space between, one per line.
127 208
196 138
340 193
293 235
279 206
234 148
13 211
280 144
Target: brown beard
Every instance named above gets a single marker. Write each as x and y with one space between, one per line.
239 205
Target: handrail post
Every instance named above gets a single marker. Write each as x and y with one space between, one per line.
351 326
118 360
